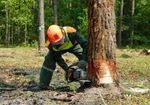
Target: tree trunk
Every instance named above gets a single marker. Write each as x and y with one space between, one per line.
25 33
132 24
7 27
12 33
41 25
55 11
18 31
120 25
102 42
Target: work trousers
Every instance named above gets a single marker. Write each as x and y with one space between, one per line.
49 65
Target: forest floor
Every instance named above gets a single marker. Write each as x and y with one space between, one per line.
20 67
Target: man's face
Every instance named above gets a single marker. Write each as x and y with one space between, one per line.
57 46
61 41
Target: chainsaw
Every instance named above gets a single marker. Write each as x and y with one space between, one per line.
78 72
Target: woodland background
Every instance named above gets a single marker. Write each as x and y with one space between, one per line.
19 21
19 30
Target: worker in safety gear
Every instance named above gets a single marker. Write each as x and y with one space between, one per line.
61 40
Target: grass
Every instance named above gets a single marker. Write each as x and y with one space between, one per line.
133 70
134 66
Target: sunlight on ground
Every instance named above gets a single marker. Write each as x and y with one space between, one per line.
133 70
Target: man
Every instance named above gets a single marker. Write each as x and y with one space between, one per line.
61 40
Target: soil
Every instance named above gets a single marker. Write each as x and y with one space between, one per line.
19 71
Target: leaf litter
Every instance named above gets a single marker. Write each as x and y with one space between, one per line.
20 69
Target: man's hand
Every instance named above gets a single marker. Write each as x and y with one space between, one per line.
80 64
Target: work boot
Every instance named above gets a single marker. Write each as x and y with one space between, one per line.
80 89
83 87
37 88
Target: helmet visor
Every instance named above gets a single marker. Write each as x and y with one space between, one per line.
59 42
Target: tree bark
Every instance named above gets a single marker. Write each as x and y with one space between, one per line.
7 27
12 33
41 26
132 23
25 33
55 11
102 42
120 24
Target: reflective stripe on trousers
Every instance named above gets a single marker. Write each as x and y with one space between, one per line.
47 69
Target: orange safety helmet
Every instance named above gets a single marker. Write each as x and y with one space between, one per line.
55 34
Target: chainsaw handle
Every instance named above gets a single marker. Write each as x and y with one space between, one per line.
74 64
72 69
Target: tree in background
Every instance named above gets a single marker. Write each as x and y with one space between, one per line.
102 42
120 24
55 11
41 25
19 21
132 23
141 35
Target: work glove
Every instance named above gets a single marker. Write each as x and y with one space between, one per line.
81 64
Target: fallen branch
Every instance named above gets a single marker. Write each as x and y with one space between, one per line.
138 90
102 98
7 89
68 99
18 71
5 85
145 51
63 96
69 94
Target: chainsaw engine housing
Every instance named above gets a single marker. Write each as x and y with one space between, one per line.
77 74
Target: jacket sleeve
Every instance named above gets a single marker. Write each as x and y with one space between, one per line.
83 43
58 58
60 61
